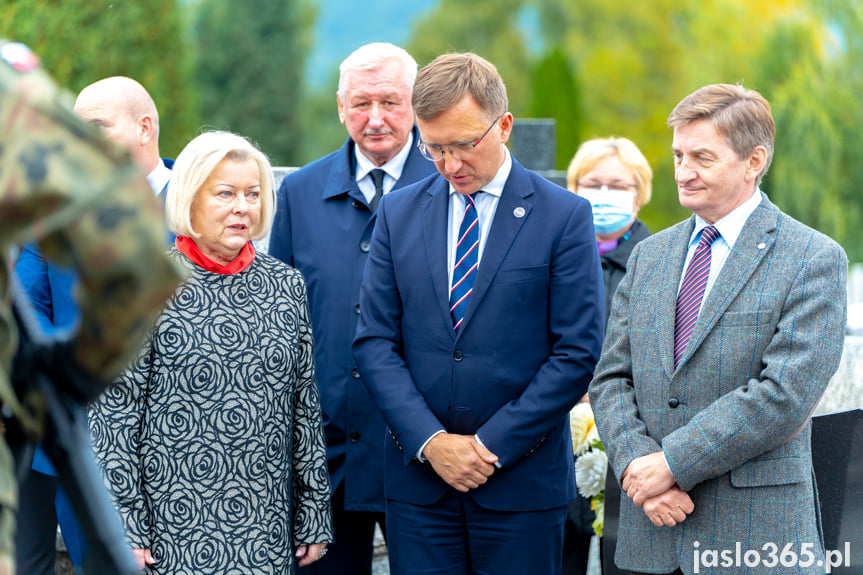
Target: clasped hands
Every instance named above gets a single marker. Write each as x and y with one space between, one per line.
651 486
460 460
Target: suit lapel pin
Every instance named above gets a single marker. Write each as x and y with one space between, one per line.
761 246
518 212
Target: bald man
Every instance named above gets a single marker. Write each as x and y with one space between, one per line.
126 113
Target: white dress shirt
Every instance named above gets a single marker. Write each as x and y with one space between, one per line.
159 177
729 228
392 169
486 205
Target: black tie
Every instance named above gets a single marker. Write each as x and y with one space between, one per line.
378 178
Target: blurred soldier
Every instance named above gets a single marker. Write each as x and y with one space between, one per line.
87 206
127 115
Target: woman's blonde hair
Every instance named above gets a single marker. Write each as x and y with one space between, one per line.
592 152
195 164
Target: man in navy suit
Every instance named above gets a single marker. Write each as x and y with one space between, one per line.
323 226
476 389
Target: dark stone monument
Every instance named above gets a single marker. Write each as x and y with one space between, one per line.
610 525
837 456
533 144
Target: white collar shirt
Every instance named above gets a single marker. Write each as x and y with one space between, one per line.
486 205
159 177
392 170
729 227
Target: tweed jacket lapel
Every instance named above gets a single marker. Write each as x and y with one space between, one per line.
755 241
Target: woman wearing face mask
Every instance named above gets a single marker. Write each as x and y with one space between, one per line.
613 175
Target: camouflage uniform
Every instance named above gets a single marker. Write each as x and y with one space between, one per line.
65 186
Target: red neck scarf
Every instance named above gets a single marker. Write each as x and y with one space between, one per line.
243 260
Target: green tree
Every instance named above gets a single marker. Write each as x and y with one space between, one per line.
635 61
489 29
557 95
250 60
814 86
320 122
81 41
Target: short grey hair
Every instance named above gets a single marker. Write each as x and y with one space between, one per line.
373 56
195 164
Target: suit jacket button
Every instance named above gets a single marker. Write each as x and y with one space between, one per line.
355 436
357 309
673 402
458 355
355 373
357 204
364 246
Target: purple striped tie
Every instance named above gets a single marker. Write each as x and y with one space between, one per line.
692 292
466 262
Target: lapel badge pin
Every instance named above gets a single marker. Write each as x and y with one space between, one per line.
518 212
761 246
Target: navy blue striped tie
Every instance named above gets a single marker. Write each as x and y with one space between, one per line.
466 261
692 292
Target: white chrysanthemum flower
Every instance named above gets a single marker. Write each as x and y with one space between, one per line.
583 428
590 470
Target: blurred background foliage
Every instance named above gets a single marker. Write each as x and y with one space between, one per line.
599 67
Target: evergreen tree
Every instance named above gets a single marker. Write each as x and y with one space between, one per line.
557 95
81 41
488 29
250 60
637 60
811 68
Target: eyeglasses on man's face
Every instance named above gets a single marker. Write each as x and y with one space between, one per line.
458 150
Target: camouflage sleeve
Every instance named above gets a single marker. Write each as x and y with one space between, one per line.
88 207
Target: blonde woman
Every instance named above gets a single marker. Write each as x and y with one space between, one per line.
211 441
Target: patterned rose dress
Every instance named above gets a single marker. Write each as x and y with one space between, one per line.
211 442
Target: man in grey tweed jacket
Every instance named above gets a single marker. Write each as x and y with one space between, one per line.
711 440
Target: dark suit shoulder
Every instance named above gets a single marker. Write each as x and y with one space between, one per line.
316 172
527 182
419 189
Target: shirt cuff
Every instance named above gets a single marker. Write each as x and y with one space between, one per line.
668 466
478 440
423 446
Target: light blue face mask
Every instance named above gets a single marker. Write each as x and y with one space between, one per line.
613 210
608 219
